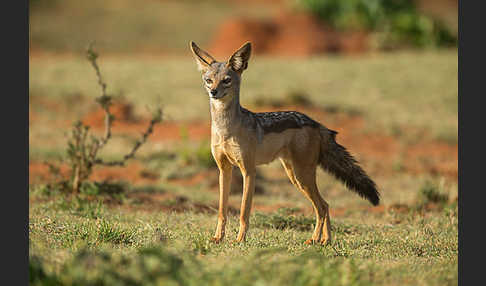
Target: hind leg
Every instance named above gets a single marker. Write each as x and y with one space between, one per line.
305 180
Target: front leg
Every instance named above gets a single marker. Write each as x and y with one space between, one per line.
249 176
225 172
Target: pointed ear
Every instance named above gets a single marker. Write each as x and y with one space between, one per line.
203 59
239 60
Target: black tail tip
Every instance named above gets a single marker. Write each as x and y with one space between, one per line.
374 200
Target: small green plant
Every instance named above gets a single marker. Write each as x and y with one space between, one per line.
86 208
398 165
430 193
200 243
81 206
108 232
204 156
200 156
103 188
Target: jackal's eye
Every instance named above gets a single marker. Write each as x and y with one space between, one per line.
209 81
227 80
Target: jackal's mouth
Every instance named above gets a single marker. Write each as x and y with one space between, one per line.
217 96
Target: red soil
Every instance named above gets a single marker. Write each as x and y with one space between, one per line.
32 117
198 179
133 172
123 113
127 123
39 172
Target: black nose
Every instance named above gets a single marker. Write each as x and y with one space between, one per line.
214 91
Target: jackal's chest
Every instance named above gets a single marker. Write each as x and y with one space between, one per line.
233 150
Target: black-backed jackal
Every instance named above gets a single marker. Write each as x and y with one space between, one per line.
245 139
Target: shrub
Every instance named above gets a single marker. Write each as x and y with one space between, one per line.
397 22
82 153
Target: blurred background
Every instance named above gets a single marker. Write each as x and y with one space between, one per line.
293 27
382 73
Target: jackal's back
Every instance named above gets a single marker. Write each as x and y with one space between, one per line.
279 121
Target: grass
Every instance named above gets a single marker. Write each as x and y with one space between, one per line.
143 26
431 193
283 219
85 240
121 247
389 90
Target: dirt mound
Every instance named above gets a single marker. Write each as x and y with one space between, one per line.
287 34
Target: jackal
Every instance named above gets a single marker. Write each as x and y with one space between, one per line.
246 139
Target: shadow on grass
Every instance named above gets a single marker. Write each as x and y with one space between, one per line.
284 218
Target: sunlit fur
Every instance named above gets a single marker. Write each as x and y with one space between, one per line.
246 139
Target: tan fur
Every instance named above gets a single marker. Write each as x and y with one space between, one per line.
237 140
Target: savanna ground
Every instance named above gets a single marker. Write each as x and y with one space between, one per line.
149 223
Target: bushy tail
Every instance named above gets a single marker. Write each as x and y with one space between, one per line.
336 160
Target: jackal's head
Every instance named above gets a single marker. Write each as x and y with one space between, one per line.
222 79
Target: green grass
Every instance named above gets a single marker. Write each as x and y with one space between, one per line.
120 247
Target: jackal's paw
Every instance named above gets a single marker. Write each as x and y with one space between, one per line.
310 241
216 239
323 241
